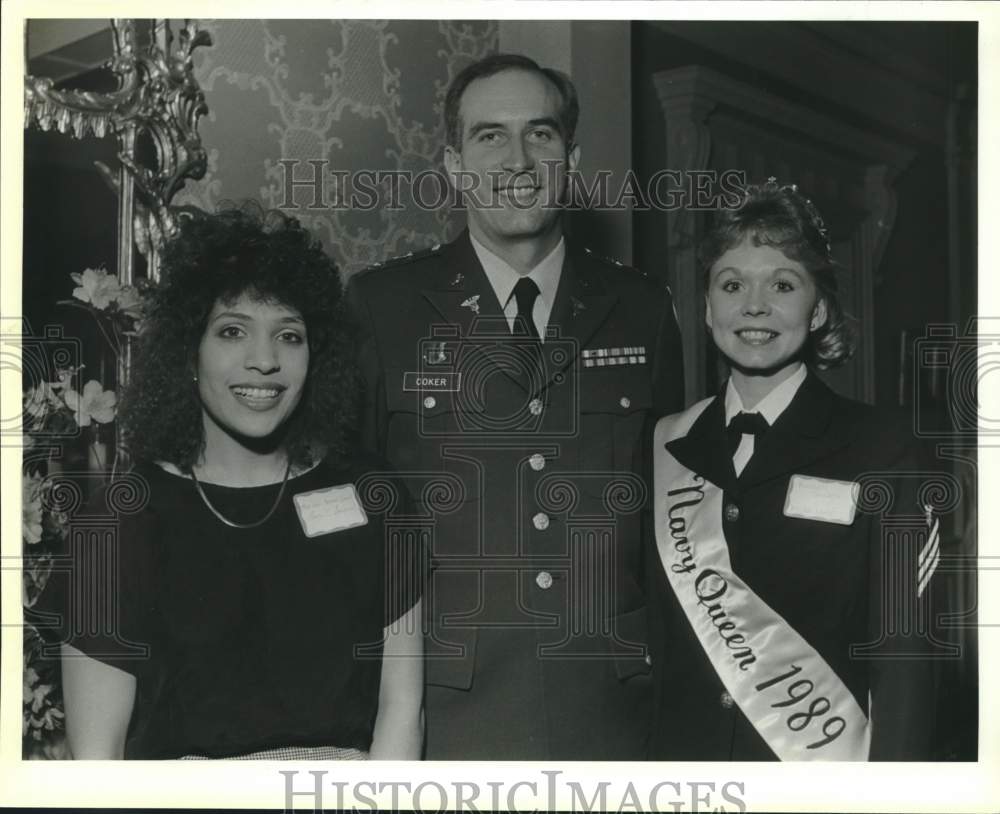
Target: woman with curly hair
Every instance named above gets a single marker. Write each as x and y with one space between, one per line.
773 580
265 609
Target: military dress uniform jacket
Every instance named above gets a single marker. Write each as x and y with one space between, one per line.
522 458
838 585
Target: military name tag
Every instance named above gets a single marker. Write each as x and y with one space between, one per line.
323 511
436 381
830 501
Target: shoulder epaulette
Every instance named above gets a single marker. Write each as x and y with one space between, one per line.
403 259
612 261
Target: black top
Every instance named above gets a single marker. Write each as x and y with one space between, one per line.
257 638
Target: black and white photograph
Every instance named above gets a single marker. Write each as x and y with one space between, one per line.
527 406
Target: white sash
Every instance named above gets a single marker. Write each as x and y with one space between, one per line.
785 688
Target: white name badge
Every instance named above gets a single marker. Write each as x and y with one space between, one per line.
830 501
327 510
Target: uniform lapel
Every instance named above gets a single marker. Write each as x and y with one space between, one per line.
461 293
704 449
581 306
803 433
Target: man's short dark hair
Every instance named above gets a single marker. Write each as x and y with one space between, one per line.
569 109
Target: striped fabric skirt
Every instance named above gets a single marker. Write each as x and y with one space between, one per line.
294 753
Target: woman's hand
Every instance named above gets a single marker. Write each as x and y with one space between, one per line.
99 700
399 725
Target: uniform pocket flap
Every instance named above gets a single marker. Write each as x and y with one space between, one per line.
450 659
427 394
618 391
630 643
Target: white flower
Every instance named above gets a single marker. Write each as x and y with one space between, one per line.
39 695
64 377
31 508
53 716
29 680
39 400
130 302
97 287
95 403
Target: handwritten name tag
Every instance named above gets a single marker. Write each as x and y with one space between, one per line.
323 511
830 501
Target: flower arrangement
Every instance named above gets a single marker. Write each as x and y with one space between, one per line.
116 307
43 528
56 413
58 410
42 733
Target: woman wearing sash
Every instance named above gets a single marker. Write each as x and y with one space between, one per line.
262 608
788 628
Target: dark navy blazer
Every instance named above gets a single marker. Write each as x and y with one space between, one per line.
849 590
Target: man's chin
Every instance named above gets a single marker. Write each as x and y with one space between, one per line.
525 225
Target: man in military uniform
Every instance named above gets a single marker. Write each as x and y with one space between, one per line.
508 376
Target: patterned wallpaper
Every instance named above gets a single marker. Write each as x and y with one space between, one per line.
357 94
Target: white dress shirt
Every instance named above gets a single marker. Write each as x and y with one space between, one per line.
770 407
503 277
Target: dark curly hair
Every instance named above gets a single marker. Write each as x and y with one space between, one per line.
569 109
782 217
239 250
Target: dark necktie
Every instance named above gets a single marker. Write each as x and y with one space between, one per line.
745 424
525 292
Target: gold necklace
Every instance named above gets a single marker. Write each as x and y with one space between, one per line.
233 524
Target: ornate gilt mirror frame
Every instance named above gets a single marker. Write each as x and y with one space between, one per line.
157 100
158 95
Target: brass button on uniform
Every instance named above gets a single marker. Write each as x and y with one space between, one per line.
625 402
543 579
726 700
540 521
537 462
732 512
535 406
430 402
